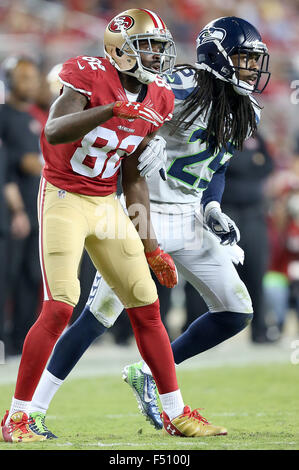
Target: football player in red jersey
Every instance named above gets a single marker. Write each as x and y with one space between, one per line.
109 109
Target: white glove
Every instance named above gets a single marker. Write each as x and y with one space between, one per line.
153 158
236 253
220 224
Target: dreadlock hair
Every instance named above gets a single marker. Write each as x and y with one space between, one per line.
231 116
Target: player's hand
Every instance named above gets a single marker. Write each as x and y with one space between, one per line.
163 266
134 110
153 158
221 225
20 225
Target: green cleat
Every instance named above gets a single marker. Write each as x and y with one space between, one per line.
145 390
38 426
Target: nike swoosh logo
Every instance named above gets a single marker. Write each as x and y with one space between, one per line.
81 67
170 78
147 398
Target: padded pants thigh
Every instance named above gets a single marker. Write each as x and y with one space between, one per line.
63 229
121 261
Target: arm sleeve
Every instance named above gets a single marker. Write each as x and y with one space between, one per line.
214 191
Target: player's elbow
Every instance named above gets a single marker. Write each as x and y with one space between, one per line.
52 133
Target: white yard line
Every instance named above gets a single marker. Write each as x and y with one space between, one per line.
165 444
143 444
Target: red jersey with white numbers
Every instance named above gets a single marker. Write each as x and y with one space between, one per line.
91 165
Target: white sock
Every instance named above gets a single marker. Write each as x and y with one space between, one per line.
145 368
17 405
45 391
172 403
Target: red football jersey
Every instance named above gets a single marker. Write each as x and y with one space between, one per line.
91 165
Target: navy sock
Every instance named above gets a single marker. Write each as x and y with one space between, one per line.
207 331
73 343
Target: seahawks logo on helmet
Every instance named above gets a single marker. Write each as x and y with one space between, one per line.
211 34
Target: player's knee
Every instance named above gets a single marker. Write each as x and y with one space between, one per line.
141 292
87 325
244 320
55 316
67 291
234 322
242 301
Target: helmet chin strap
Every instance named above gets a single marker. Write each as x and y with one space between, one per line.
243 88
138 72
142 75
240 87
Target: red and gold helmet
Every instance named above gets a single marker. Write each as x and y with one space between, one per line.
122 43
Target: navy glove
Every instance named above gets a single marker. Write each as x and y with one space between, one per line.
220 224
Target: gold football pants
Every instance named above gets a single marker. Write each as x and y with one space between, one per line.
69 223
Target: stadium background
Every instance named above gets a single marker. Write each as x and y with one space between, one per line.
52 31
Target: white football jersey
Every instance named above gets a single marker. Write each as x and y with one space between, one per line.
191 162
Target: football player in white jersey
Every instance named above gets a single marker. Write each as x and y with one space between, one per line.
214 113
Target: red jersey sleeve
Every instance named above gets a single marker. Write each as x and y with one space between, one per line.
167 102
76 73
163 98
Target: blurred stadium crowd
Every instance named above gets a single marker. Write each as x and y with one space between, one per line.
262 190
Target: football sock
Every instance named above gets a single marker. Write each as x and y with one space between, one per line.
145 368
172 403
17 405
73 343
154 345
44 392
207 331
38 346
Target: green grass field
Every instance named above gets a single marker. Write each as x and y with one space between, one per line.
257 403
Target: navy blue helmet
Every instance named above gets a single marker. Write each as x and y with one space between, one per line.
230 36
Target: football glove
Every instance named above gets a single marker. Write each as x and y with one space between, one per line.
153 158
163 266
221 225
134 110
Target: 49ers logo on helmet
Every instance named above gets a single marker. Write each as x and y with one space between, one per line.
121 22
